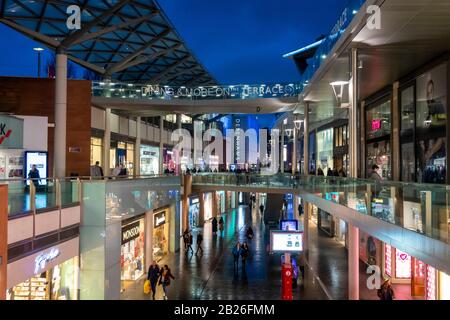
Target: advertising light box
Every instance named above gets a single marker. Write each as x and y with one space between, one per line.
40 160
289 225
286 241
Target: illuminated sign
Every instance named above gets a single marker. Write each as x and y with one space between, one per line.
388 260
130 232
43 259
286 241
402 265
376 125
159 219
289 225
431 283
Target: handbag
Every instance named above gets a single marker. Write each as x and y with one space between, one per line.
147 287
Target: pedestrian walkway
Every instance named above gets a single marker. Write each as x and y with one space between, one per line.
210 276
329 260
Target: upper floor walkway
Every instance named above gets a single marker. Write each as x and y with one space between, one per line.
411 217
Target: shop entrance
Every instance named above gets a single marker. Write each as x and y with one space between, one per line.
160 235
132 252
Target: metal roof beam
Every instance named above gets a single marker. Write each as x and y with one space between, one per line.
78 34
104 31
33 34
118 66
169 69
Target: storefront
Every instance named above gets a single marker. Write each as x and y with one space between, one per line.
50 274
160 234
149 160
132 250
194 212
122 152
426 282
378 136
423 103
207 206
96 151
325 150
221 202
340 150
169 163
11 148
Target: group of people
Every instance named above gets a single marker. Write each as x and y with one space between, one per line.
332 173
97 171
214 224
188 241
161 276
240 250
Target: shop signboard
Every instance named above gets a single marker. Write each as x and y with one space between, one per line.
286 241
130 232
11 132
44 258
159 219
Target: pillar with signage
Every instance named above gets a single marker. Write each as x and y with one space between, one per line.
3 239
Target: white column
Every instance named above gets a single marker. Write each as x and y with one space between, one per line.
282 149
59 158
353 262
306 140
107 143
178 164
137 148
161 145
353 126
294 151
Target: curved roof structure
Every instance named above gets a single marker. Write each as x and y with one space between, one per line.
127 40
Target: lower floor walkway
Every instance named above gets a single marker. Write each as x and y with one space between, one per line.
210 275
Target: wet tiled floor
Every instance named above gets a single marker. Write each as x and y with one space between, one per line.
211 276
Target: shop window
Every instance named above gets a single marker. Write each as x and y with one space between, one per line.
325 149
408 162
378 121
96 151
379 153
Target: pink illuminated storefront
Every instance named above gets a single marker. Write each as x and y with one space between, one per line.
426 282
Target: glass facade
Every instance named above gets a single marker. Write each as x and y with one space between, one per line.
325 150
96 151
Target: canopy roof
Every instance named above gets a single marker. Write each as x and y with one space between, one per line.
127 40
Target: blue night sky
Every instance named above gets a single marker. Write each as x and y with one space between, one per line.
237 41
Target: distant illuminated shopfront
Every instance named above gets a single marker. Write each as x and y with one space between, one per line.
149 160
132 250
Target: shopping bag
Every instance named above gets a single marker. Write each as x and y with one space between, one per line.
147 286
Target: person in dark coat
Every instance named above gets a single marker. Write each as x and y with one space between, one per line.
221 222
236 253
34 174
214 225
164 279
199 242
152 276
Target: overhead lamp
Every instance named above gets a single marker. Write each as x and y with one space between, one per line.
288 132
338 89
298 124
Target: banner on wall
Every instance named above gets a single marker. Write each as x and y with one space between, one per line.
431 119
11 132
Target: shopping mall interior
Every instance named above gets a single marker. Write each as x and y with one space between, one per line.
126 150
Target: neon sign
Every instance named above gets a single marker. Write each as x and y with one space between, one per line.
44 258
376 125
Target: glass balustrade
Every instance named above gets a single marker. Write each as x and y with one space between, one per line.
422 208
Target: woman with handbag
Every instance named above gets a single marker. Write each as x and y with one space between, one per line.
164 280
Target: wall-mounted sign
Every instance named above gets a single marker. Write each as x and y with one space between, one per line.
286 241
75 149
11 132
130 231
44 258
159 219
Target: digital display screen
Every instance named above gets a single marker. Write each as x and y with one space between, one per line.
289 225
40 160
286 241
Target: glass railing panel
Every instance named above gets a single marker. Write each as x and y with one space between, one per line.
69 192
18 197
45 197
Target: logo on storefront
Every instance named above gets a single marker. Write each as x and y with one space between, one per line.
130 232
44 258
4 133
159 219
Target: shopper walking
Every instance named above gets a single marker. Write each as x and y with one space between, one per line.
153 275
236 253
221 222
97 171
199 242
245 251
386 292
164 279
34 175
214 226
186 239
190 241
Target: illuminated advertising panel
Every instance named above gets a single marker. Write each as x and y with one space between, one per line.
286 241
402 265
